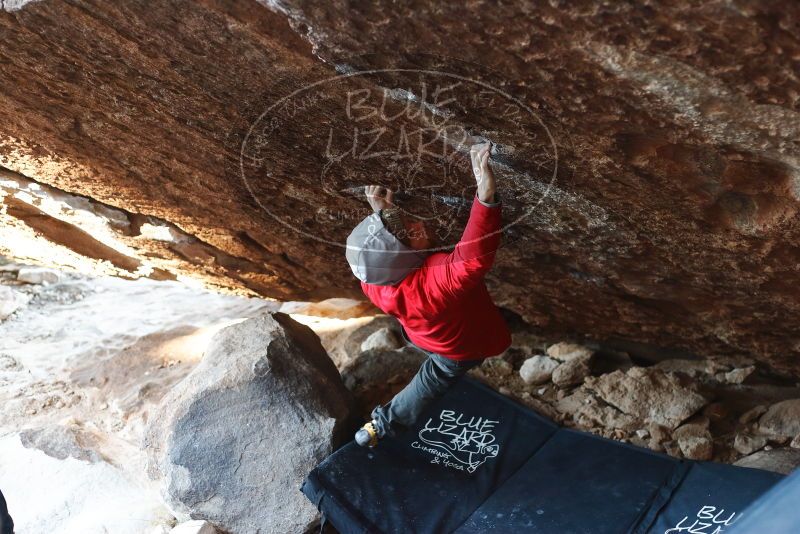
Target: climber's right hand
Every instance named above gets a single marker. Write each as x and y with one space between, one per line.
484 177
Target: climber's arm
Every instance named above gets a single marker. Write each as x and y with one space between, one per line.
474 254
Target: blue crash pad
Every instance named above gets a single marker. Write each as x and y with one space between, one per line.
478 462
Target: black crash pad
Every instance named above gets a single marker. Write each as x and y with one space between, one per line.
479 462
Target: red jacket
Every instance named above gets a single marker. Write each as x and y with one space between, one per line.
444 305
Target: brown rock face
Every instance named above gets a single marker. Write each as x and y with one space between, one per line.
647 155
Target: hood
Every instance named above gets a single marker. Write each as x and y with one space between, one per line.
378 257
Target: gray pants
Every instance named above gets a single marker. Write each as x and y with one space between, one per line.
435 376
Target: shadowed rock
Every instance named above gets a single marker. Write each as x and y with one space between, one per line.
236 437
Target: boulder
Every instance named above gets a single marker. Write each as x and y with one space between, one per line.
782 461
382 339
574 370
650 394
233 441
538 369
10 301
781 420
38 275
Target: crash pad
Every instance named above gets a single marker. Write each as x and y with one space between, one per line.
476 462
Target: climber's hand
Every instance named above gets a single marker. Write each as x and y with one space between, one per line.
379 197
483 172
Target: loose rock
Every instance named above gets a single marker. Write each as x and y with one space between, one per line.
567 351
738 376
234 440
658 432
649 394
697 448
747 444
61 442
778 460
781 420
11 301
694 439
538 369
38 275
573 371
382 339
697 427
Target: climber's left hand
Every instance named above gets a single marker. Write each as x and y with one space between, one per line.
379 197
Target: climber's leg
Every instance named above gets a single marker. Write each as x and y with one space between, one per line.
436 375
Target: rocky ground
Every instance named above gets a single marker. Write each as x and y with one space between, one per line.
723 409
87 365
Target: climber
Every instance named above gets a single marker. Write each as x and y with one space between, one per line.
440 299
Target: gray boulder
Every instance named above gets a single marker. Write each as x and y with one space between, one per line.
234 440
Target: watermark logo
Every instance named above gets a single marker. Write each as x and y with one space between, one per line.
458 441
708 520
308 157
